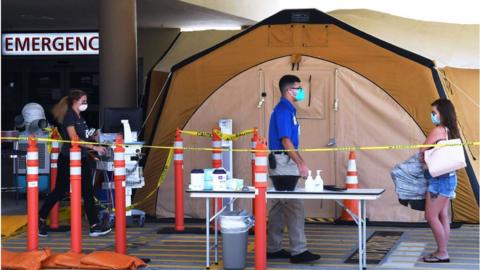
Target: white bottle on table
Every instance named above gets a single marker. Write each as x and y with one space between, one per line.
309 183
318 181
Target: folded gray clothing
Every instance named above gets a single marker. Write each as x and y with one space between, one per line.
409 180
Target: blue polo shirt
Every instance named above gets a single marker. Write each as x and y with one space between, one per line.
283 124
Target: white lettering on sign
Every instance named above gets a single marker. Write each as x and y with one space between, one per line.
50 44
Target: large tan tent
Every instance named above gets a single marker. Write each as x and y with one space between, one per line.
383 94
459 48
185 45
448 44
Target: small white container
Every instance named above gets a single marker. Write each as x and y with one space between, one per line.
239 184
235 184
197 179
231 184
208 177
220 179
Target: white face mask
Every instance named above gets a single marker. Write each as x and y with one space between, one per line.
83 107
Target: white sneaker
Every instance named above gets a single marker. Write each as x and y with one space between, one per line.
99 230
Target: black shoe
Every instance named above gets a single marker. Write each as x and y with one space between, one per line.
98 230
304 257
42 228
435 259
281 254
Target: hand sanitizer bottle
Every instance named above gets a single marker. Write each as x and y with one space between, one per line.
309 183
318 181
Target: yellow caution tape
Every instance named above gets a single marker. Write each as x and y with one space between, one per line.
51 132
385 147
324 149
231 137
160 181
171 149
197 133
49 140
223 136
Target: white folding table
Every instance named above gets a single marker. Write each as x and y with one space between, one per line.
361 195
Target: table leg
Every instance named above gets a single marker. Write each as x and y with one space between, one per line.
360 236
364 215
207 230
216 232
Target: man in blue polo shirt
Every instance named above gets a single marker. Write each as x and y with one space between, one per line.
283 135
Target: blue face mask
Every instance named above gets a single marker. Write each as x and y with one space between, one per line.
435 119
299 94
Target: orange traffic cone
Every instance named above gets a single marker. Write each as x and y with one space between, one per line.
351 182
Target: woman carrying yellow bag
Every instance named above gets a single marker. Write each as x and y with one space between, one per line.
441 188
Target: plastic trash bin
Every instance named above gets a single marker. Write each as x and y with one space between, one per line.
234 227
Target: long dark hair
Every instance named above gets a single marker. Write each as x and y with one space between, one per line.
60 109
448 116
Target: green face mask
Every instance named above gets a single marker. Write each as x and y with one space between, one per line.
299 94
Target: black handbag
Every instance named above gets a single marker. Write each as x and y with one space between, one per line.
414 204
272 162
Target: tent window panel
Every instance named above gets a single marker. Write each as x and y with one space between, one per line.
316 93
280 36
313 107
315 35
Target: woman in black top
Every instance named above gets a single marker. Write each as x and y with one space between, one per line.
72 125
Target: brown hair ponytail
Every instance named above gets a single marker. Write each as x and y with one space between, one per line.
60 109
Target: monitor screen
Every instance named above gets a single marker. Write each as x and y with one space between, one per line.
112 119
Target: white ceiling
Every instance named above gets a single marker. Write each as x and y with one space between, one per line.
21 15
458 11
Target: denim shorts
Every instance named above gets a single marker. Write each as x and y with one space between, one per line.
443 185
